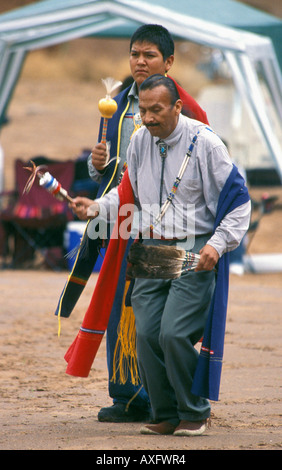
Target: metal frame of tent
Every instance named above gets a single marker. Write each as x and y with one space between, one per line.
49 22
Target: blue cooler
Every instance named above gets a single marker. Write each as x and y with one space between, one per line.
72 237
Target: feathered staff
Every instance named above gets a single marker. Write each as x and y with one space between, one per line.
47 181
107 107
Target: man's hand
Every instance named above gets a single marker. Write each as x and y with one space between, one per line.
99 156
93 210
209 258
80 206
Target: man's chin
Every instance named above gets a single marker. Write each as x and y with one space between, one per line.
153 130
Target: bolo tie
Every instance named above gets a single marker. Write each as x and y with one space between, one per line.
163 147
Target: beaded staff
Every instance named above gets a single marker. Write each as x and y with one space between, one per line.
163 262
47 181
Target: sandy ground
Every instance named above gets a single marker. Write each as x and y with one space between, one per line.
42 407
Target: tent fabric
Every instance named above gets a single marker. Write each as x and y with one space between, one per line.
228 13
221 24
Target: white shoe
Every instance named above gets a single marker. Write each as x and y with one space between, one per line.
191 428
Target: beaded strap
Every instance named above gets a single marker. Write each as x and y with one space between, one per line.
175 184
171 195
189 261
122 172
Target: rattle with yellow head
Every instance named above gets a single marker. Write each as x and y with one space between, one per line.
108 106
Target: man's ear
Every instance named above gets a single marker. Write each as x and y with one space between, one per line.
178 106
169 62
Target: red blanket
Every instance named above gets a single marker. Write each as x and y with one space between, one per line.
190 106
83 350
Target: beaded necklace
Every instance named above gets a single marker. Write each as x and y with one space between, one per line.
171 195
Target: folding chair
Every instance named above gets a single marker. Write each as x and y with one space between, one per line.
34 223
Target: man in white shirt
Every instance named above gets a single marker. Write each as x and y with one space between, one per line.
171 315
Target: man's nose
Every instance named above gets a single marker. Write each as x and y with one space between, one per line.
148 118
140 59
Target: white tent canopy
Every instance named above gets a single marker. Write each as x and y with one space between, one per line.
50 22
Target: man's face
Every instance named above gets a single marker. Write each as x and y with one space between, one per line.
145 60
157 113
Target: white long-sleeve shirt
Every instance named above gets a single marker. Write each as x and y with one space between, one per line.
195 203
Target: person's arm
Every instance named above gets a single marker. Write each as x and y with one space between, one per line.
85 208
232 229
216 167
80 205
108 205
227 236
96 162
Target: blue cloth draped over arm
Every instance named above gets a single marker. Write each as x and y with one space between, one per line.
207 376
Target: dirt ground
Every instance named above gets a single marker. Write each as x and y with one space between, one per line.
42 408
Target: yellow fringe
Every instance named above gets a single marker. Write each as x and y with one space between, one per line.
125 356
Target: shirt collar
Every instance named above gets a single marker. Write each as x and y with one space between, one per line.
133 92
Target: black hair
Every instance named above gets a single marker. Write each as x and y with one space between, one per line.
157 80
155 34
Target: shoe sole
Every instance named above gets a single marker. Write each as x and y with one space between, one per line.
190 432
148 431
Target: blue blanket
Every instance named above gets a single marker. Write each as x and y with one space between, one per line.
208 372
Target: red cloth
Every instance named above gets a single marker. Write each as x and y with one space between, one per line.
190 106
83 350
